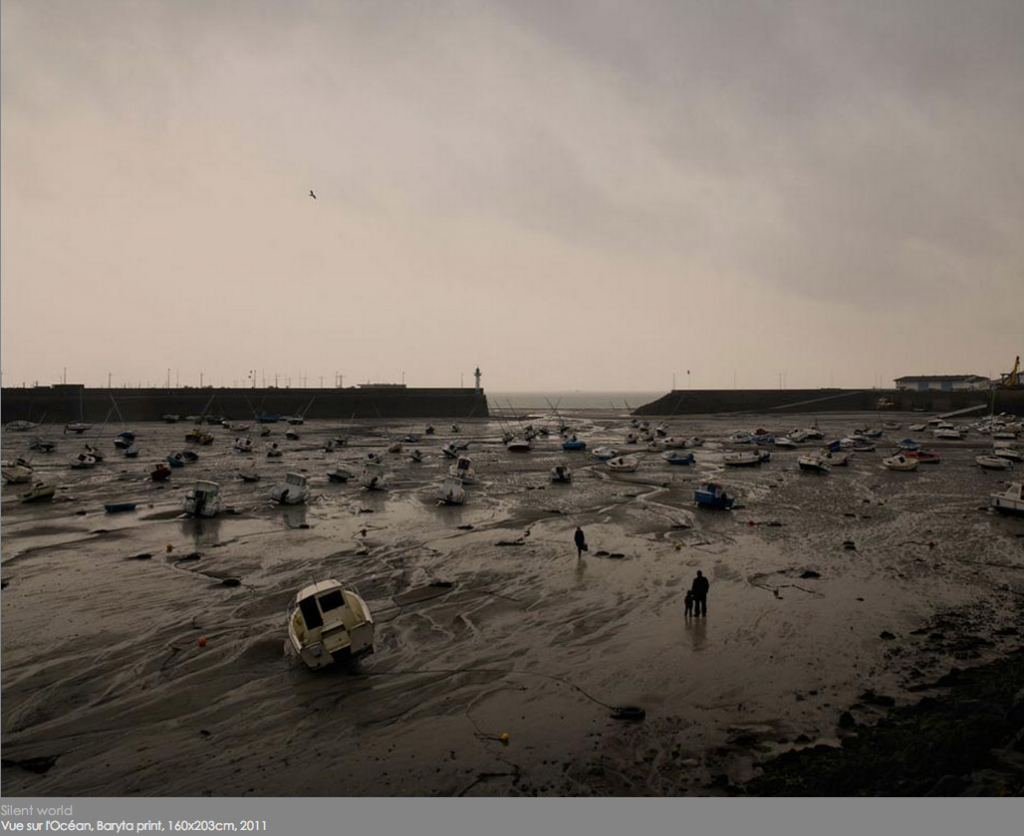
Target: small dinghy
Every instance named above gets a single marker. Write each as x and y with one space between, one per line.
329 623
293 491
176 460
948 433
291 435
82 461
712 495
92 451
917 428
573 443
203 500
632 438
993 463
395 447
561 474
243 445
188 456
194 436
335 444
836 458
751 459
340 474
452 492
923 456
119 507
249 473
812 463
160 472
520 445
374 458
899 463
695 441
1010 501
675 457
373 478
39 492
450 450
906 444
623 464
605 453
131 452
429 430
77 428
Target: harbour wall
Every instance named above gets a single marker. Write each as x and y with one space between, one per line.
63 404
760 401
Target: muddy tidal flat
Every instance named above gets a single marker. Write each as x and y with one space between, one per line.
834 599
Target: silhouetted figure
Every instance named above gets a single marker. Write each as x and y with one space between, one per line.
312 195
688 604
700 594
581 542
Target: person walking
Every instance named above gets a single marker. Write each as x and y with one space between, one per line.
699 588
581 543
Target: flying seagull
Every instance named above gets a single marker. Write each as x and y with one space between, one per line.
312 195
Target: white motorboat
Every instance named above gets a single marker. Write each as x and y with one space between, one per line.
463 470
739 437
993 463
1010 501
17 472
948 433
899 462
203 500
82 461
623 464
1005 451
452 492
329 623
561 473
751 459
836 458
813 463
373 478
39 492
243 445
293 491
340 474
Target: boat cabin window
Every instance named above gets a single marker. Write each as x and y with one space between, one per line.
310 613
292 479
332 601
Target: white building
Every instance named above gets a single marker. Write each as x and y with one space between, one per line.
942 382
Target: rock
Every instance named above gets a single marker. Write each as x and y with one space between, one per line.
846 720
886 635
809 573
39 765
231 582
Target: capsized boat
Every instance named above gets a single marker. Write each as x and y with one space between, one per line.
561 474
39 492
293 491
675 457
452 492
899 462
712 495
328 623
1010 501
203 500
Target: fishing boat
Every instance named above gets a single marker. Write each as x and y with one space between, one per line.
813 463
751 459
82 461
675 457
373 478
1010 501
519 445
119 507
340 474
273 451
463 470
605 453
993 463
243 445
623 464
39 492
452 492
329 623
78 427
561 474
293 491
160 473
899 463
203 500
712 495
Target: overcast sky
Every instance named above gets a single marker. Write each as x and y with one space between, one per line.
571 195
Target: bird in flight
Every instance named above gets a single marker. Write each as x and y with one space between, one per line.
312 195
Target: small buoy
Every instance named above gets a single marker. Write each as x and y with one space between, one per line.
170 548
750 522
678 546
504 737
931 544
202 641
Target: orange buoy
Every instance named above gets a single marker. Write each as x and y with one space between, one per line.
202 641
504 738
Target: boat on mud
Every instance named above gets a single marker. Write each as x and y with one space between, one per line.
329 623
712 495
39 492
899 463
813 463
623 464
561 474
203 500
751 459
675 457
463 470
1010 501
373 478
452 492
993 463
293 491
